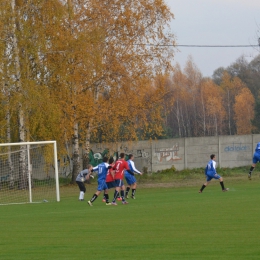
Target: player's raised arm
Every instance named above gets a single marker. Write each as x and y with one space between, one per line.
94 169
89 175
133 167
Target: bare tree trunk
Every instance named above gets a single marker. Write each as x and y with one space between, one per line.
10 162
75 141
203 116
216 124
87 147
178 117
229 114
22 183
187 122
75 153
183 124
22 164
68 157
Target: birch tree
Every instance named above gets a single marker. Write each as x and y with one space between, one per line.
25 39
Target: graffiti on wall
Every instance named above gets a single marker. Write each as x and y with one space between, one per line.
237 148
167 154
136 152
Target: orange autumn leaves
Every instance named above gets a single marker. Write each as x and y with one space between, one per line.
203 108
244 111
97 64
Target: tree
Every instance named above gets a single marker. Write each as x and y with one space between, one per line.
213 109
254 83
120 59
244 111
179 119
90 65
218 75
193 80
256 119
230 87
187 106
24 40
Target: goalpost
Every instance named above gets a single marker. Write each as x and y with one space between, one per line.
29 172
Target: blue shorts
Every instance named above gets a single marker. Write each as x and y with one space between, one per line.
111 184
130 179
102 185
256 158
119 183
212 176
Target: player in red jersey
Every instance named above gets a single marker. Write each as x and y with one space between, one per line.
119 168
110 181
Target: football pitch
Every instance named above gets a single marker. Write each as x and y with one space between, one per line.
162 223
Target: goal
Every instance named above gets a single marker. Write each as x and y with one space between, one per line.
29 172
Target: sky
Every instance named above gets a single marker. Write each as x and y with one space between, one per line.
215 22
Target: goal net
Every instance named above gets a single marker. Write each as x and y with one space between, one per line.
28 172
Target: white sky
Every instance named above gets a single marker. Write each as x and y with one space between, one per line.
215 22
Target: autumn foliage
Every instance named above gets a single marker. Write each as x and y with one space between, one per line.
81 71
203 108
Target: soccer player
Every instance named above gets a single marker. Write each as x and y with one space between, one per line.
130 179
211 173
256 158
119 168
81 178
102 169
110 181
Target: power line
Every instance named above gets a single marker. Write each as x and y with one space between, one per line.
198 46
218 46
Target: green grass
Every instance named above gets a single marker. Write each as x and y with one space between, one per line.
170 221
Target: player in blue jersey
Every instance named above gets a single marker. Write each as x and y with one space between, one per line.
211 173
256 158
130 179
102 169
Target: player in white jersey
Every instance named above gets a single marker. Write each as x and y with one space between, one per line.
256 158
130 179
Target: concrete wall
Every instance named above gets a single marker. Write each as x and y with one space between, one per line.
187 153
